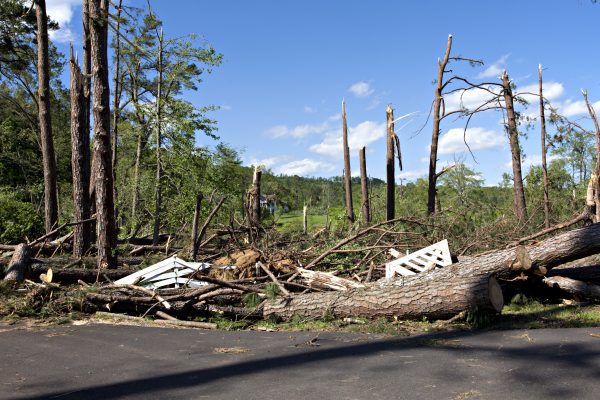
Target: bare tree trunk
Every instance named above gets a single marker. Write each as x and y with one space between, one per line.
136 181
158 183
435 134
347 172
80 162
305 220
389 163
48 157
195 241
596 174
544 164
19 264
253 199
520 207
105 210
87 82
116 108
364 186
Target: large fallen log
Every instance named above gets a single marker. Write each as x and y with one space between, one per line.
444 292
586 273
73 275
574 287
19 263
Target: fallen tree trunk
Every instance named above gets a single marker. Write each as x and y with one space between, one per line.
17 268
434 300
73 275
587 273
574 287
444 292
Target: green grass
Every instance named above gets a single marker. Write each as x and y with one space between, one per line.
292 222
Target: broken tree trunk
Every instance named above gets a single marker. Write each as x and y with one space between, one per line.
364 188
195 226
434 300
444 292
17 268
574 287
389 163
347 173
253 199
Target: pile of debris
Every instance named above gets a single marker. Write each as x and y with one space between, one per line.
428 283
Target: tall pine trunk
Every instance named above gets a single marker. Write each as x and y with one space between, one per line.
48 157
520 207
364 186
347 172
158 183
105 210
80 162
116 107
389 163
544 163
435 134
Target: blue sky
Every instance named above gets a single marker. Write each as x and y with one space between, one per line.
288 65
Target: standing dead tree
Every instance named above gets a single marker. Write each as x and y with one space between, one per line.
158 183
105 210
347 172
544 151
364 188
595 181
253 199
497 96
80 161
48 157
439 113
393 143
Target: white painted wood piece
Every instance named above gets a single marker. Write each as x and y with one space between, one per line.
436 255
171 271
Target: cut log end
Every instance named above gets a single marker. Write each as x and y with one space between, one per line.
495 294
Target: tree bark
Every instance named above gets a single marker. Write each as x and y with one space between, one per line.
87 83
435 134
253 199
596 175
443 292
544 163
574 287
364 186
158 183
347 171
195 241
389 163
520 207
19 263
116 108
433 300
80 162
105 210
48 157
585 273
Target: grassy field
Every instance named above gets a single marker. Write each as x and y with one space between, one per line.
292 222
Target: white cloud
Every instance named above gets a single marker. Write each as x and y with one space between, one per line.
552 91
309 109
453 141
495 69
361 89
362 134
414 174
305 167
299 131
570 108
470 99
61 11
335 117
268 162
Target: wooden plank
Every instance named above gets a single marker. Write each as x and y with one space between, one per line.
398 270
395 253
413 264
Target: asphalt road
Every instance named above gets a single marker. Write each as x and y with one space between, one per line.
129 362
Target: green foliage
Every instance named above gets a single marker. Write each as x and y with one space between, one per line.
18 219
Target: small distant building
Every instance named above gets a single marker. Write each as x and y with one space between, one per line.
268 202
